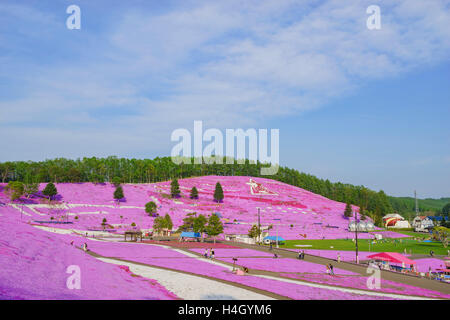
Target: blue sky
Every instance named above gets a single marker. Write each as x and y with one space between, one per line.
354 105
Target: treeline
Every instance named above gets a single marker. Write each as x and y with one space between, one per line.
100 170
407 205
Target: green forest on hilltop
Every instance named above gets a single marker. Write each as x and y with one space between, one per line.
100 170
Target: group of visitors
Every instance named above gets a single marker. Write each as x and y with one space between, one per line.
301 255
209 253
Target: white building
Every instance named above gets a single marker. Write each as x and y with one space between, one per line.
422 224
244 238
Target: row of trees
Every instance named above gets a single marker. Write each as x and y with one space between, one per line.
122 170
212 225
17 189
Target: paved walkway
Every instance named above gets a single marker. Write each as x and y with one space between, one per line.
234 284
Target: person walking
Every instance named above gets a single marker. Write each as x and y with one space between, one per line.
206 253
328 269
299 255
338 257
331 270
212 253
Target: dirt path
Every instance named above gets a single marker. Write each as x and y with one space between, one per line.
234 284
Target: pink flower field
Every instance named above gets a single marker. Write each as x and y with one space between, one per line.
202 266
230 253
311 216
34 262
360 282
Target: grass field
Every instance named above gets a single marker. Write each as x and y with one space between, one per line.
390 245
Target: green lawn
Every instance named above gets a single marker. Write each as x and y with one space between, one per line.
421 235
386 245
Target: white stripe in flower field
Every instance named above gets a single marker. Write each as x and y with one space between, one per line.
190 287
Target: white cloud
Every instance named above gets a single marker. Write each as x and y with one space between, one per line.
229 64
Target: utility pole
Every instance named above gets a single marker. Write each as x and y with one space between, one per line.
259 228
417 206
356 237
277 235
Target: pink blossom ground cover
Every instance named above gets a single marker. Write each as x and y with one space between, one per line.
360 282
423 265
34 264
230 253
311 215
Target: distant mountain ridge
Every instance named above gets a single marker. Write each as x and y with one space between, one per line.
408 204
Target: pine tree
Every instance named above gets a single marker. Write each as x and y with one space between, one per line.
348 211
214 227
118 193
362 214
50 190
218 193
174 188
194 193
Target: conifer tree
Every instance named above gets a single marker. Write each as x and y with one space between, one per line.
118 193
348 211
214 227
194 193
174 188
50 190
218 193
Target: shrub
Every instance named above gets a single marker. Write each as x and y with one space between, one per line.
150 208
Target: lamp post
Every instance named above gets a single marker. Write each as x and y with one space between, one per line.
277 235
259 228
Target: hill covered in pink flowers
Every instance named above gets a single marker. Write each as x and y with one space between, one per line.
295 212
